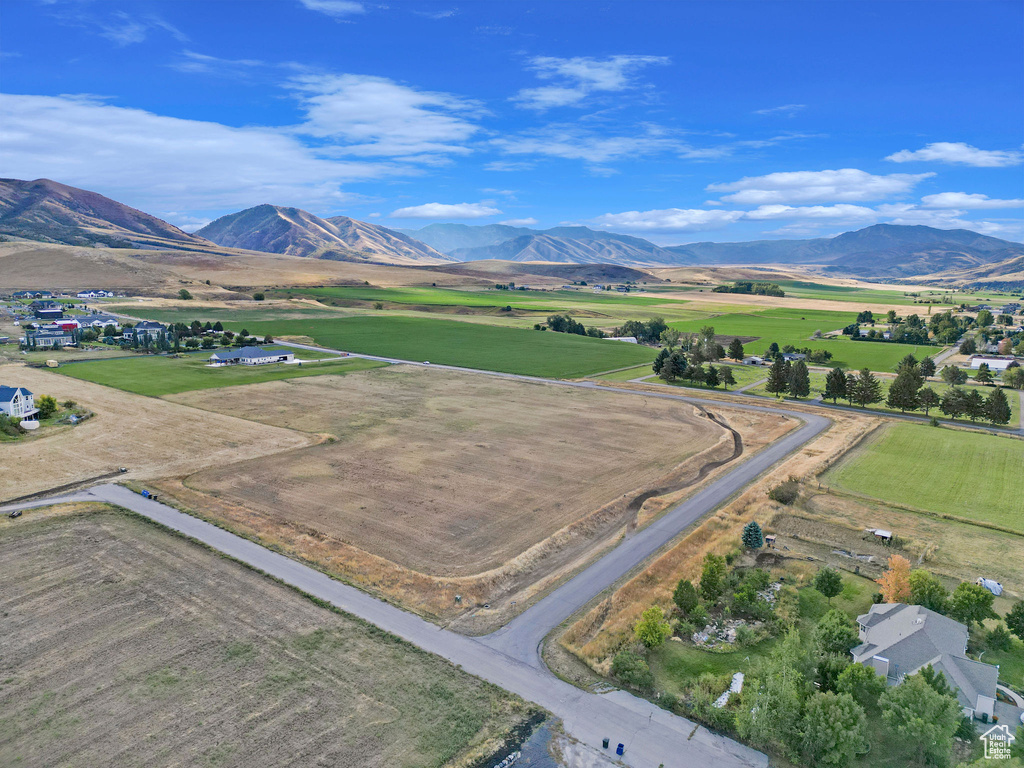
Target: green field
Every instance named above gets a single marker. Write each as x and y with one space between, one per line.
797 326
810 290
157 376
971 475
471 345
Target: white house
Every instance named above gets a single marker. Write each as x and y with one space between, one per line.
95 294
790 357
17 402
898 640
995 362
753 360
250 356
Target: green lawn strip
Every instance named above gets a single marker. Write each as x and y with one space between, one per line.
744 375
626 374
156 376
471 345
1010 663
971 475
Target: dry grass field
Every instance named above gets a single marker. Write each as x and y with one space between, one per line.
126 645
151 437
440 483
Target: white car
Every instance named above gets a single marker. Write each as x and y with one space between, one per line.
426 362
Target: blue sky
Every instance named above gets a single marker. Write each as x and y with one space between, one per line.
675 121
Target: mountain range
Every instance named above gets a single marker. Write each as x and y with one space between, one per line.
51 212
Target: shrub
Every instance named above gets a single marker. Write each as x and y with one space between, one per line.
632 670
69 404
47 405
785 492
999 639
184 295
258 297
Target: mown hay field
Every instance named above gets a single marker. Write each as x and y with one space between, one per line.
443 472
968 474
124 644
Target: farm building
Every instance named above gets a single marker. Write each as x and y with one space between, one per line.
627 339
791 357
898 640
995 362
753 360
17 402
250 356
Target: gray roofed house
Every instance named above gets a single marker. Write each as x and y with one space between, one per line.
250 356
46 336
898 640
147 330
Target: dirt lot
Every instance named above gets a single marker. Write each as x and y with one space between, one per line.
442 484
151 437
125 645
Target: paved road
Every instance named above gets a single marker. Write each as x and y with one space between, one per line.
511 657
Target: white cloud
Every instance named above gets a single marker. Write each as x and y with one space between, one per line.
668 220
202 64
154 162
445 211
520 222
967 201
842 211
578 77
120 28
959 153
339 9
786 109
844 185
507 166
375 116
571 142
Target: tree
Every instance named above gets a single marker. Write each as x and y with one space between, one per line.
922 720
927 399
1014 377
835 633
736 349
673 367
184 295
711 377
777 382
983 375
863 683
851 386
828 582
984 319
706 343
770 713
953 375
926 590
835 384
631 669
652 630
974 404
867 389
725 372
866 317
218 327
1015 619
953 403
971 603
799 380
712 577
904 391
659 361
908 361
832 730
997 407
685 596
258 296
753 538
47 405
895 582
927 367
670 338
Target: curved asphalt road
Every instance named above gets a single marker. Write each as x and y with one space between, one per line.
510 657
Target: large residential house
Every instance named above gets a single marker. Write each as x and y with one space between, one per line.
146 331
250 356
898 640
47 310
17 402
97 321
95 293
49 336
31 295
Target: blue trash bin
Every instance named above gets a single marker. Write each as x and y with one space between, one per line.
620 749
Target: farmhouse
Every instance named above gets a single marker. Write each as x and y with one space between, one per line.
250 356
995 362
47 310
897 640
95 294
147 330
17 402
31 295
97 321
791 357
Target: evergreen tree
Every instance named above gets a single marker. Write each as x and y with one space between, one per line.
753 538
659 361
904 392
725 372
868 389
777 382
908 361
851 387
953 375
712 577
736 349
799 380
1015 619
835 384
997 408
927 367
711 377
983 375
974 405
672 367
927 399
952 403
685 596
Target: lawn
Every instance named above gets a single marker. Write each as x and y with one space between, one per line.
471 345
810 290
967 474
156 376
797 326
1010 663
744 375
